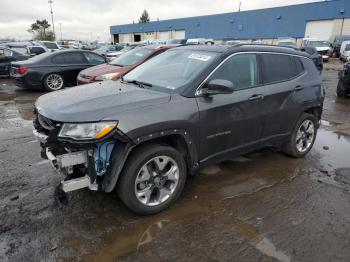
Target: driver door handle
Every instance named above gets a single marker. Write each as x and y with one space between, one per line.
256 97
298 88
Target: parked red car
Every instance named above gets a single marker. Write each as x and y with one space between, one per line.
121 65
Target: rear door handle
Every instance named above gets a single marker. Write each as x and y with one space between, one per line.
298 88
256 97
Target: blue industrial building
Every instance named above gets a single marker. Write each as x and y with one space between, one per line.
271 23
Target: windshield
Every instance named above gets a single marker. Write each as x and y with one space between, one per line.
20 49
171 69
132 57
318 43
51 45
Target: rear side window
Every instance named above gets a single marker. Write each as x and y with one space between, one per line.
58 59
278 67
74 58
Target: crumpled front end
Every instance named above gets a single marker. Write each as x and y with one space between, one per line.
82 163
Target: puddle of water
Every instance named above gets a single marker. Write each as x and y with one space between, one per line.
333 148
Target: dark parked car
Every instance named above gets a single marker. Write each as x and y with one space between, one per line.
315 56
6 57
338 40
121 65
37 50
53 70
184 109
343 88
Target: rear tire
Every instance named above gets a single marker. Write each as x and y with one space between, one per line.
53 82
144 185
341 90
303 137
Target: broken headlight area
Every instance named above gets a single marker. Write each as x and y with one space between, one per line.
74 151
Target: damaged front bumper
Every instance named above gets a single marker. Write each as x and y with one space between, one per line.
81 168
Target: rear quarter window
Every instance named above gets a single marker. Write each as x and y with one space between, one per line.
279 67
58 59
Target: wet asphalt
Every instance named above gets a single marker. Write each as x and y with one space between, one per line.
263 206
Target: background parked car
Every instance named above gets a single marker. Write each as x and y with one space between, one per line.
121 65
51 45
345 51
54 70
177 41
315 56
37 50
323 47
105 49
18 47
343 88
232 42
338 40
286 42
112 55
196 41
6 57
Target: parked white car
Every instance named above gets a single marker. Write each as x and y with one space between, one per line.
345 51
287 42
323 47
196 41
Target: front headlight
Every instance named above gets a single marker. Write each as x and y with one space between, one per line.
87 131
107 77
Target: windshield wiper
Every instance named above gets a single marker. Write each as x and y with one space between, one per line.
139 83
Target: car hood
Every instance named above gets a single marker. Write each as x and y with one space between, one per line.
97 101
103 69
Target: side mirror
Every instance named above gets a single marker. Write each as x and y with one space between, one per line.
217 86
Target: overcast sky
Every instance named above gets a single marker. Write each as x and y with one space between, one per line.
85 19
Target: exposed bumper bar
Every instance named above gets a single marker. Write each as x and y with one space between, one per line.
41 137
77 183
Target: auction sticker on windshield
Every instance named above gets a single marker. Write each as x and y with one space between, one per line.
204 58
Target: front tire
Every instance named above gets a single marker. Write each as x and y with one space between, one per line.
152 179
303 137
53 82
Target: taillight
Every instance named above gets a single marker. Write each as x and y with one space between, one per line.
21 70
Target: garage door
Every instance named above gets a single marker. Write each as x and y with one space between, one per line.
346 27
179 34
164 35
319 29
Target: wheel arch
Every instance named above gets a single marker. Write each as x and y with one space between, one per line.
178 139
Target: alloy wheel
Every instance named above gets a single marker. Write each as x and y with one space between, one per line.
305 136
157 180
54 81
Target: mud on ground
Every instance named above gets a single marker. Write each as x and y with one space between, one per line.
262 206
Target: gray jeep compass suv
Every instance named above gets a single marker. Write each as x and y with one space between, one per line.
184 109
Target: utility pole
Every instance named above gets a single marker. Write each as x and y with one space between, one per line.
53 25
60 30
239 7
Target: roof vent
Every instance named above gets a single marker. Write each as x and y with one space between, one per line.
342 11
279 17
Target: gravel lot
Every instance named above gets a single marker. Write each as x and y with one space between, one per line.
263 206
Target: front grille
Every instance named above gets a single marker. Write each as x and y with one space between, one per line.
323 52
